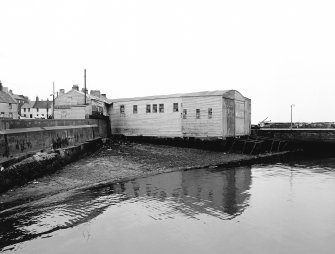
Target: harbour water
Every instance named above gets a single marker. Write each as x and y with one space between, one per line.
280 208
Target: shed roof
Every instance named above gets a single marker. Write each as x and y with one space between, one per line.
222 93
6 98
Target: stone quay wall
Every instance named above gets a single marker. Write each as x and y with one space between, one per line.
20 137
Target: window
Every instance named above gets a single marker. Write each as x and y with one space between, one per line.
210 113
28 109
25 115
148 108
197 113
175 107
184 113
10 107
36 109
154 108
134 109
161 108
24 109
31 115
122 110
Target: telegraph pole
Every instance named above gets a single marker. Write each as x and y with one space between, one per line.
85 85
53 100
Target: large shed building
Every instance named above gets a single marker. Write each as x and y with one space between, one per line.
210 114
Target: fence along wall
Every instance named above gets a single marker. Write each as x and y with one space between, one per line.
21 136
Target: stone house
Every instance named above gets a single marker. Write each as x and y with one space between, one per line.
77 104
21 99
8 105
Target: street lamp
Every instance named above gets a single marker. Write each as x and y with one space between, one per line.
292 105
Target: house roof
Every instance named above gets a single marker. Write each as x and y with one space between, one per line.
6 98
179 95
17 97
90 97
42 104
29 104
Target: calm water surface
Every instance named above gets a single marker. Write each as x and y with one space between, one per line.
263 209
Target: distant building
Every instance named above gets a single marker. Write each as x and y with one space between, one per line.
72 105
8 105
21 99
27 109
37 109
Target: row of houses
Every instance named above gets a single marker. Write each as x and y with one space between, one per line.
73 104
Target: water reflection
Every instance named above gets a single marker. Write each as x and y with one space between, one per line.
220 193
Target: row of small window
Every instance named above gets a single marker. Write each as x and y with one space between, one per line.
197 113
10 115
148 108
31 115
161 110
29 109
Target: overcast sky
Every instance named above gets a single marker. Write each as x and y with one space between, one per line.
276 53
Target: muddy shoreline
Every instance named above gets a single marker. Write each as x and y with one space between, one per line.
119 162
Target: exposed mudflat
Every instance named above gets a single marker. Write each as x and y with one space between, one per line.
115 163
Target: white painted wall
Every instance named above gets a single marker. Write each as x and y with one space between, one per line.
204 126
147 124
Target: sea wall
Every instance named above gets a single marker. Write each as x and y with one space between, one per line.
40 164
19 137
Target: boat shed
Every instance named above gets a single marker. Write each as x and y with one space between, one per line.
209 114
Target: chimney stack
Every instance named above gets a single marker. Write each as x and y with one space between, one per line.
5 89
75 87
103 95
11 91
83 90
61 92
37 98
1 87
95 93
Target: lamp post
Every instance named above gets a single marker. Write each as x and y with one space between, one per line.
292 105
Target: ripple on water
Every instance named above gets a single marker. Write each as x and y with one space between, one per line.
270 203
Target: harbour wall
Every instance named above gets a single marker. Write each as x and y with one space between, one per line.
20 137
317 140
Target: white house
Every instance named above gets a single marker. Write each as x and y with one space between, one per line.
38 109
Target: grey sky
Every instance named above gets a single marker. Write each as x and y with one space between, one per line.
274 52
